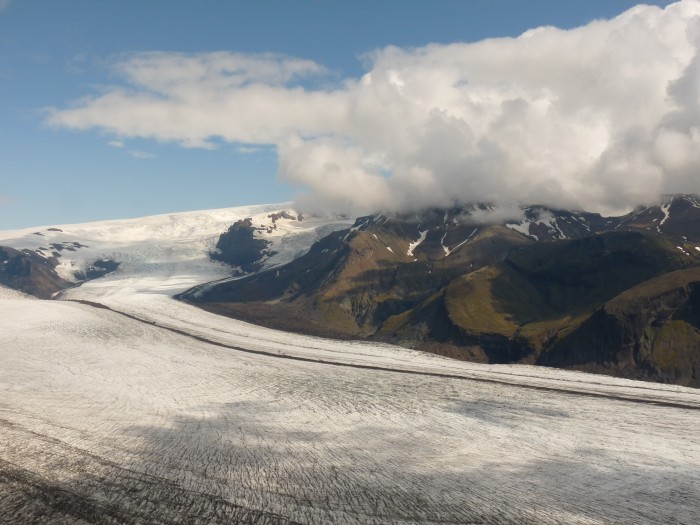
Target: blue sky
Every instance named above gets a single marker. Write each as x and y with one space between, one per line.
53 54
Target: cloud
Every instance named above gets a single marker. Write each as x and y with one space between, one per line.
490 215
138 154
4 200
116 143
4 4
248 150
602 117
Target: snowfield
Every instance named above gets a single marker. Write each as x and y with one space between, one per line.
176 244
148 410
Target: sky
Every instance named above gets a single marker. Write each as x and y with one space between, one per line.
120 109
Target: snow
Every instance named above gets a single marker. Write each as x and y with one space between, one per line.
583 222
552 223
521 226
544 218
459 245
442 243
166 425
156 411
665 210
448 251
412 246
172 244
9 293
629 219
692 200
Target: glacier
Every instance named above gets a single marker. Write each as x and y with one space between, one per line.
122 405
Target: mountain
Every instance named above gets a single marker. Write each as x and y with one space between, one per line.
532 285
650 331
353 280
29 272
470 282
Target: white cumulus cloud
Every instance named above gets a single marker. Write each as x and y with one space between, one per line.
603 117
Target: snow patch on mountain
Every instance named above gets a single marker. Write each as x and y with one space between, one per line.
522 227
583 222
412 246
692 200
665 209
442 243
539 217
448 251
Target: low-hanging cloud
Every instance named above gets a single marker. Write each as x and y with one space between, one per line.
602 117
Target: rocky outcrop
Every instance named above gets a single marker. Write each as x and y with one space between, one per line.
97 269
30 273
651 331
239 247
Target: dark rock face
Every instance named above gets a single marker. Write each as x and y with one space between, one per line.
285 215
651 332
30 273
239 247
69 246
582 273
97 269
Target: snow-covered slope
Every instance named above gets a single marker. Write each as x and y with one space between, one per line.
168 252
9 293
543 224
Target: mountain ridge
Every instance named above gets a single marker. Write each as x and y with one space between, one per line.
533 285
447 281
